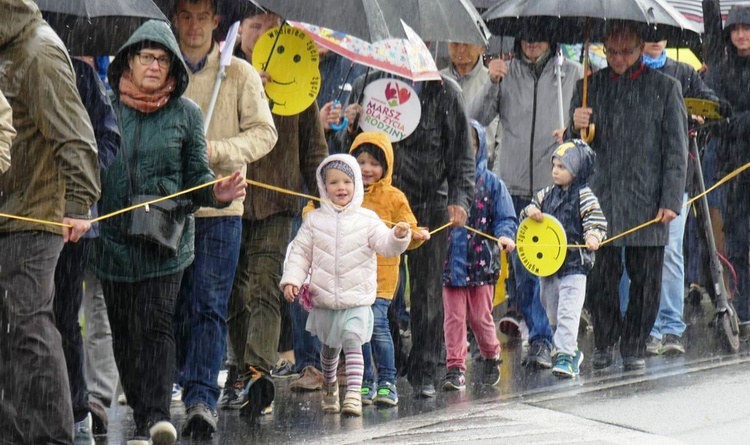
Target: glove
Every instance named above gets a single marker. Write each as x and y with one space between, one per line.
725 109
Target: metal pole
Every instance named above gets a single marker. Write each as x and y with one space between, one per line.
224 62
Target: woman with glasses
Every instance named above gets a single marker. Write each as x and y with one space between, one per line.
163 151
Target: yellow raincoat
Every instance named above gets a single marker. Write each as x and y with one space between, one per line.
391 205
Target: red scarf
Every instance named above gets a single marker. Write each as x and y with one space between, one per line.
634 73
133 97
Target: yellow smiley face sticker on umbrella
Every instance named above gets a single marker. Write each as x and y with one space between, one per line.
290 57
542 246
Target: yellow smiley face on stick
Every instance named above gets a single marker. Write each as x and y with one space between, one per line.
290 57
542 246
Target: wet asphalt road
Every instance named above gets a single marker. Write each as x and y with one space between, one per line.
702 397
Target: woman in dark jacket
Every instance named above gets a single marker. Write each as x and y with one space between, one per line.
163 152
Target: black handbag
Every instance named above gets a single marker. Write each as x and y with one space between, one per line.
161 224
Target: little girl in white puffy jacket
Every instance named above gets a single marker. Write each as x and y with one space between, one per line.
336 245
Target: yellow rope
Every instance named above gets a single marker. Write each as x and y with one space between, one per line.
160 199
723 181
34 220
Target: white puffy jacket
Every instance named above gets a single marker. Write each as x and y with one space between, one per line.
338 247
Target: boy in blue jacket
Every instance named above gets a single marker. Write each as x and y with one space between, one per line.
573 203
471 270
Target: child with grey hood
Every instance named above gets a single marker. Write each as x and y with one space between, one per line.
573 203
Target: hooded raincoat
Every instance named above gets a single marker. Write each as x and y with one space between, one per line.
338 248
390 204
576 207
171 156
730 81
54 170
472 259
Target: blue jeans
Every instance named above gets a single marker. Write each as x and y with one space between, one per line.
200 322
527 293
381 345
672 301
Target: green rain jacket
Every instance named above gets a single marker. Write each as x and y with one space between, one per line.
171 157
53 161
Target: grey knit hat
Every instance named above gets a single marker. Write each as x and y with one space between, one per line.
338 165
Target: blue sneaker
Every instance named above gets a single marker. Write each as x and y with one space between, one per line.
387 395
368 392
567 366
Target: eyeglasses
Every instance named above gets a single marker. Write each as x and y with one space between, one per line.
147 59
623 53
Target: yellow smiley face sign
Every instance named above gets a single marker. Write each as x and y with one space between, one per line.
291 59
542 246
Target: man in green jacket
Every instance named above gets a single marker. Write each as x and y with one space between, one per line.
54 176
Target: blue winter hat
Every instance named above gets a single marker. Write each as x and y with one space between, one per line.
577 157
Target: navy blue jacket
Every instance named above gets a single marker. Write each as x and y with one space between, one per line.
472 259
103 120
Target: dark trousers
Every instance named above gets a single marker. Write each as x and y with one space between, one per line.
426 288
255 303
140 315
644 265
398 318
35 404
67 304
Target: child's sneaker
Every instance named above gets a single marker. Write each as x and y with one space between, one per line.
387 395
510 325
454 380
491 371
330 401
176 392
368 393
567 366
352 405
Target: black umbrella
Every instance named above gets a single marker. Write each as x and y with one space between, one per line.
370 20
445 21
574 21
229 12
566 21
97 27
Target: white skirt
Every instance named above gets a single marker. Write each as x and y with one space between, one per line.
329 325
